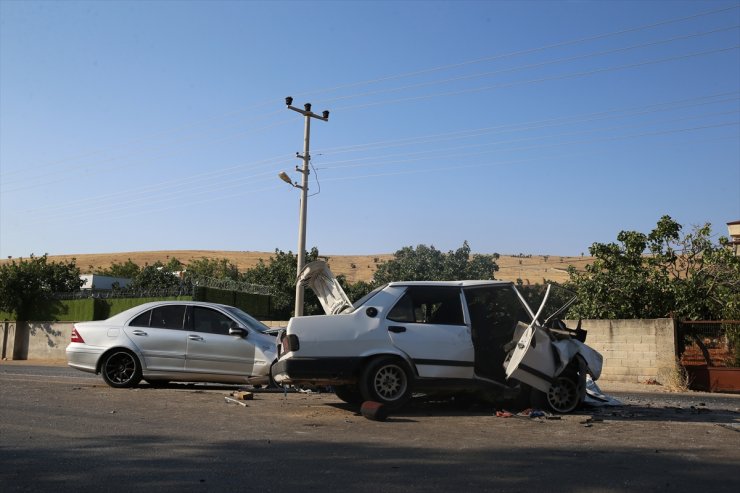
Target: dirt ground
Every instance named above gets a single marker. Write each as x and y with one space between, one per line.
65 431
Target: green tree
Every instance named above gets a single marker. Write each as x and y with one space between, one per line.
127 270
659 274
211 267
26 284
279 272
426 263
154 278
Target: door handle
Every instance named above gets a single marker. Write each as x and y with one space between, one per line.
396 329
138 333
193 337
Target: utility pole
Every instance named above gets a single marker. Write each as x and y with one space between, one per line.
306 157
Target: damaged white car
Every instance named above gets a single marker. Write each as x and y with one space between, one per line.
455 336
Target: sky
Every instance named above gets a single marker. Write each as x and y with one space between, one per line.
535 127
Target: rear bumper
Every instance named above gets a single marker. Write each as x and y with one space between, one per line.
82 358
321 371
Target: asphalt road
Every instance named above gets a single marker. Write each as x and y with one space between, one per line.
63 430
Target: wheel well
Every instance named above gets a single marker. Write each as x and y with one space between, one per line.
408 365
113 350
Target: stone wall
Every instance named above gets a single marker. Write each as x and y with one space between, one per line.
635 351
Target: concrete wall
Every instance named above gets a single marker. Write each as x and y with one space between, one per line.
35 340
635 351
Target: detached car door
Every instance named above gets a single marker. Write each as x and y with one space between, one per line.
427 324
158 333
210 348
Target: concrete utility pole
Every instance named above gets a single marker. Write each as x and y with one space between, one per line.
306 157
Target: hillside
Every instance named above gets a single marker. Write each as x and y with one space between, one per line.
532 269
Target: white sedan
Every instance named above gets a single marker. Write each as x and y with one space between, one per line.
174 341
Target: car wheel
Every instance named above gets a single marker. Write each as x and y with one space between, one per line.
386 380
348 393
564 395
121 369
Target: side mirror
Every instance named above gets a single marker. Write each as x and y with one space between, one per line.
238 331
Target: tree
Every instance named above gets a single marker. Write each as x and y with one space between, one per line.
279 272
659 274
155 278
126 270
425 263
25 284
211 267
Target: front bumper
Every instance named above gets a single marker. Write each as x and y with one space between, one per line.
316 371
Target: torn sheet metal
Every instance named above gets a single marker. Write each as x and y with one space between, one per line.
596 398
567 350
320 279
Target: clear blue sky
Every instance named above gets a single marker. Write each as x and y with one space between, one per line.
536 127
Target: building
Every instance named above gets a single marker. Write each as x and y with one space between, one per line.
733 229
98 282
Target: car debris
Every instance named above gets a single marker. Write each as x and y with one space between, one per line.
230 400
437 336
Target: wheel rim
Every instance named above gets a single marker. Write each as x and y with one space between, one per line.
563 395
390 382
120 368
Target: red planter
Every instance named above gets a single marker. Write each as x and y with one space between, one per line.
713 378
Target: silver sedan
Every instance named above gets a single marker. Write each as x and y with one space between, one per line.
174 341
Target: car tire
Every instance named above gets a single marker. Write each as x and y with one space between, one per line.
564 395
386 380
121 369
348 393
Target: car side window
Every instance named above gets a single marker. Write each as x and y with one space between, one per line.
168 317
429 305
211 321
142 320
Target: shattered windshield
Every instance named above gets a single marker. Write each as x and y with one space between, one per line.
559 298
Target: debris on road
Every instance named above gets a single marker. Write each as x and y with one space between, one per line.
230 400
242 395
374 411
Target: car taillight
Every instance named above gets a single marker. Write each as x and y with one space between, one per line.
76 337
289 343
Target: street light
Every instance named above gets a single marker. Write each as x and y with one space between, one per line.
306 157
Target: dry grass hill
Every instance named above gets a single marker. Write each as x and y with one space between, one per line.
532 269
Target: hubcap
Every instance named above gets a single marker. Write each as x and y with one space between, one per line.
121 368
563 395
390 382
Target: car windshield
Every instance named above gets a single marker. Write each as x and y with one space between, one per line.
357 304
248 320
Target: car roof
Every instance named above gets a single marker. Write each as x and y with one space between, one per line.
463 284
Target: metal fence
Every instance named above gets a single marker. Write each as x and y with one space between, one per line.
184 289
714 343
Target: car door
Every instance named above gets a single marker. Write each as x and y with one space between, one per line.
158 334
210 348
427 324
494 313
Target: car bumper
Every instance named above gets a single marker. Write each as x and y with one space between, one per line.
316 371
82 358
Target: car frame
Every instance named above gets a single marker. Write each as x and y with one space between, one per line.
165 341
431 336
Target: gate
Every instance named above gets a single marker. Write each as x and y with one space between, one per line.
710 352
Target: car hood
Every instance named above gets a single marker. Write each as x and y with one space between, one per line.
320 279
